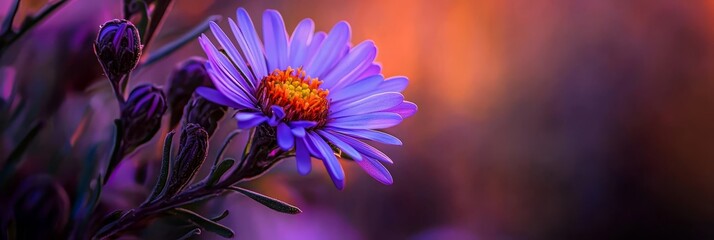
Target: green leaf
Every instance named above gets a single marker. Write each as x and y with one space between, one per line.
194 232
269 202
180 42
165 165
203 222
218 171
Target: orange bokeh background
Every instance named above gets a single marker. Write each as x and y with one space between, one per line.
537 119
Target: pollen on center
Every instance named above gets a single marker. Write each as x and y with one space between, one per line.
299 95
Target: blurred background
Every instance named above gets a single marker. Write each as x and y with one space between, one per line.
551 119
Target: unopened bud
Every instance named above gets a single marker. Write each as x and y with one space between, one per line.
204 113
184 80
141 115
118 48
193 150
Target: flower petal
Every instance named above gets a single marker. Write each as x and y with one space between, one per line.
300 41
285 137
357 60
250 43
365 149
315 45
302 157
349 150
298 131
330 51
328 158
217 97
394 84
223 73
374 103
355 89
405 109
376 170
377 120
249 120
368 134
276 40
373 69
246 76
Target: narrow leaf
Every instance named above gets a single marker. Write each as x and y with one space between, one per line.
14 159
180 42
194 232
115 156
165 165
227 141
269 202
218 171
203 222
221 217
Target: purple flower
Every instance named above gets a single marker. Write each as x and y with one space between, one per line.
318 92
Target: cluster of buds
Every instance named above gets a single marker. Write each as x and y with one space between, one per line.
184 80
118 48
141 116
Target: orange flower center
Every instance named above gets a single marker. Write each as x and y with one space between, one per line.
299 95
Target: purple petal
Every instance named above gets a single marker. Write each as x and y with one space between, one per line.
315 45
217 97
303 124
365 149
341 145
328 158
377 120
394 84
373 69
302 157
377 171
356 61
285 137
251 44
249 120
374 103
234 55
298 131
368 134
405 109
330 51
222 75
300 41
276 40
358 88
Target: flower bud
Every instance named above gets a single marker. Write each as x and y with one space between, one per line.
204 113
141 115
263 154
184 80
193 150
40 203
118 48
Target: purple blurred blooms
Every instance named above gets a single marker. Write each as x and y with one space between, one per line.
360 100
